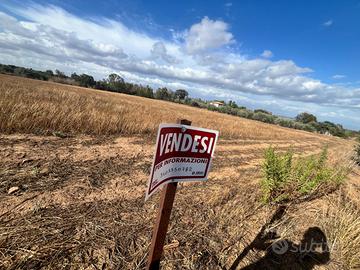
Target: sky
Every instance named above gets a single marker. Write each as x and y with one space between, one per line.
284 56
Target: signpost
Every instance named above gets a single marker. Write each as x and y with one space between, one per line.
183 153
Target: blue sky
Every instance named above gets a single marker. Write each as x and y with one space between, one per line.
284 56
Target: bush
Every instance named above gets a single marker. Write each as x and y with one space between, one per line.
306 118
284 122
245 113
277 169
263 117
285 179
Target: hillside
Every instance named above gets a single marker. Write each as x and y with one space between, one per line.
80 161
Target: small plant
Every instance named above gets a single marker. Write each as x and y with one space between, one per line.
59 134
277 169
285 179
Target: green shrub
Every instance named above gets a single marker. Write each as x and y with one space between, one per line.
311 171
263 117
286 179
277 169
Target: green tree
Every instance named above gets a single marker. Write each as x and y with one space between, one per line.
116 83
233 104
163 93
74 76
60 74
181 94
306 118
86 80
145 92
49 73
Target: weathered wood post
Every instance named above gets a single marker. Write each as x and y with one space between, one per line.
159 234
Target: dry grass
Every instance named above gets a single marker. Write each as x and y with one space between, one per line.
81 199
341 224
44 107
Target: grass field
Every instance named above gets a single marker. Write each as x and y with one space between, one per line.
40 107
79 196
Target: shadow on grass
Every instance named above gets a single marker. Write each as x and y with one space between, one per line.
285 254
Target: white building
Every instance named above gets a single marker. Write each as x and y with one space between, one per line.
217 104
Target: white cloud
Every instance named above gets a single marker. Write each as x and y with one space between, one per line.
159 51
50 37
328 23
338 76
229 4
267 54
207 34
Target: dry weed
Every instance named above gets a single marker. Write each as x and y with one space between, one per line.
30 106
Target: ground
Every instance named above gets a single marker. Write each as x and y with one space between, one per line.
77 202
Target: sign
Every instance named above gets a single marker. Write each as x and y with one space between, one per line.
183 153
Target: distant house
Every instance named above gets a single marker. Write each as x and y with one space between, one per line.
217 104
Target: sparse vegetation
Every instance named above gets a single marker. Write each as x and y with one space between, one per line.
286 179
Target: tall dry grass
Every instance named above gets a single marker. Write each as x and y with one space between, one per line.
341 224
31 106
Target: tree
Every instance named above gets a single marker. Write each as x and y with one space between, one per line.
60 74
115 78
116 83
163 93
306 118
74 76
233 104
86 80
145 91
181 94
49 73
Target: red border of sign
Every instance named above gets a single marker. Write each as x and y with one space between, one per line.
183 178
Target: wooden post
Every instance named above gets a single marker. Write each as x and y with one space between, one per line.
162 221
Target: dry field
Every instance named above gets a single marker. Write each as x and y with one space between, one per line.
79 198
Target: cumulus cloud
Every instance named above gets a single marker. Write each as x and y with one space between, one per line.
200 58
328 23
207 34
159 51
267 54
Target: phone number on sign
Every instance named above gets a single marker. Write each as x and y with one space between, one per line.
180 169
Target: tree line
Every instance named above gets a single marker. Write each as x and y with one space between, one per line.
115 83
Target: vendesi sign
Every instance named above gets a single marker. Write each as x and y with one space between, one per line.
183 153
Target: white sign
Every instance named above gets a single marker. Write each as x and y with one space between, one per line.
183 153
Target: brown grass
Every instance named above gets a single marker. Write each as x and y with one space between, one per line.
341 223
44 107
80 203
